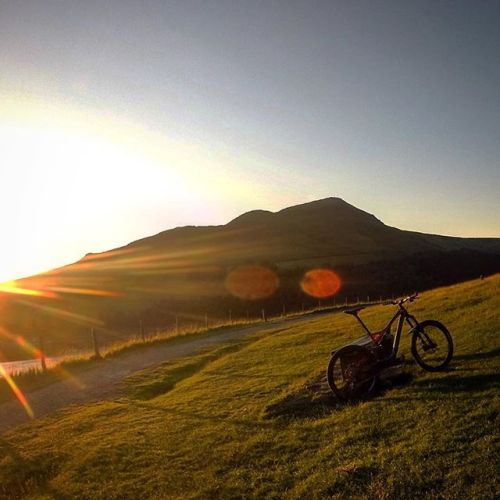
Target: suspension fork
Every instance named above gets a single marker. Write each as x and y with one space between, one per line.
415 327
404 315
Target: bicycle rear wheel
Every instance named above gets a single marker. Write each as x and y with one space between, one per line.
351 373
432 345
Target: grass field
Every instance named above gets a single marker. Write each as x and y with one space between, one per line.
35 379
202 428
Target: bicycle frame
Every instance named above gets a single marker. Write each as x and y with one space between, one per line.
354 365
402 315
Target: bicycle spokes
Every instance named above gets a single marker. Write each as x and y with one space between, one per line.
432 346
427 343
353 375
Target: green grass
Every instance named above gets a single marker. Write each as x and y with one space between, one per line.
201 428
35 378
151 383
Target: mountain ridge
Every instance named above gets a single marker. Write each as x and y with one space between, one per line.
301 231
183 272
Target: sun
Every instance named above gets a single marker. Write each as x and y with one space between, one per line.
70 182
77 180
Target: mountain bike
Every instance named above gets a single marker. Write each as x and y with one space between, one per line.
353 369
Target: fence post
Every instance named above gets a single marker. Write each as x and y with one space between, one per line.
141 329
283 311
302 306
41 345
264 315
346 301
96 345
367 298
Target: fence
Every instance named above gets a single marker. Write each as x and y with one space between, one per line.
103 342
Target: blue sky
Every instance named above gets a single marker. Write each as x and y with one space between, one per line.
392 105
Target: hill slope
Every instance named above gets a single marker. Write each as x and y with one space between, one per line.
183 271
328 228
203 429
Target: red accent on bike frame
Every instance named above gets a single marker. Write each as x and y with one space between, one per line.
377 336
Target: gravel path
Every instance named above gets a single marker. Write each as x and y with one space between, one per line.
102 380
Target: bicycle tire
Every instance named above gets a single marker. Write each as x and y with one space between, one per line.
355 361
418 348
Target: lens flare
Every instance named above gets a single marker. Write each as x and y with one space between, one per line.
85 291
252 282
62 313
36 353
17 392
21 341
321 283
13 287
45 287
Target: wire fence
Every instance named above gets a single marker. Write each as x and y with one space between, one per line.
98 343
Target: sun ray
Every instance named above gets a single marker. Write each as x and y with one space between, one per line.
58 312
17 392
33 351
13 287
85 291
21 341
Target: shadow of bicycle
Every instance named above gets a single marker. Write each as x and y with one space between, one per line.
478 355
456 384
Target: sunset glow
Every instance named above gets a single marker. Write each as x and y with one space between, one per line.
79 180
66 168
216 219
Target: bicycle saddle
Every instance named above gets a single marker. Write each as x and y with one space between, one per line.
354 310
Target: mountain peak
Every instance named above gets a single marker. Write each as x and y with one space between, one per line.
329 208
323 203
332 208
251 218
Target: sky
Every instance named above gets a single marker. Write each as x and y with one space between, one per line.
121 119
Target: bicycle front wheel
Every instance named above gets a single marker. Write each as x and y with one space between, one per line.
351 373
432 345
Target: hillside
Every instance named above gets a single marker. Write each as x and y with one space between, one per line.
325 229
207 427
183 271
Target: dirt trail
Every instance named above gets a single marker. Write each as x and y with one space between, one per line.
101 381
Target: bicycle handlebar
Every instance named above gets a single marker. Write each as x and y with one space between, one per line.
400 302
410 298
